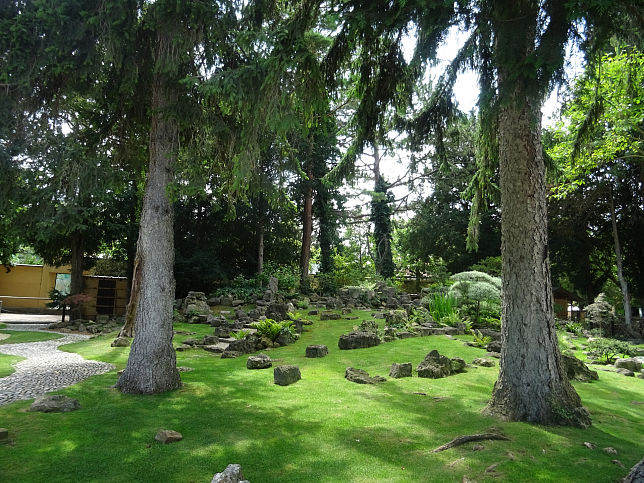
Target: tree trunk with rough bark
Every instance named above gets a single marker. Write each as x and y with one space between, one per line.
628 325
151 367
532 384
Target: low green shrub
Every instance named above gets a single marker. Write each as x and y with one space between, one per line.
272 330
480 340
607 350
441 305
240 334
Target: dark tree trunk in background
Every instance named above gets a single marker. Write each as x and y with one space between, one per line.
76 282
151 367
307 231
532 384
620 267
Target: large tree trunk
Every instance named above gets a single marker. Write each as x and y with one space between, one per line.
307 231
532 384
151 367
620 268
76 282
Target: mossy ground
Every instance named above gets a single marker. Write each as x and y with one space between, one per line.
323 428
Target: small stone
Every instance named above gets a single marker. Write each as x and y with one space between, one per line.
260 361
56 403
286 375
314 351
483 362
232 474
610 450
227 354
4 435
399 370
166 436
589 445
184 369
620 464
478 447
625 372
183 348
121 342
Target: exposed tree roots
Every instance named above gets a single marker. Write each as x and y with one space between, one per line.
469 438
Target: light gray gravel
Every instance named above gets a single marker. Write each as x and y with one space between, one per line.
45 368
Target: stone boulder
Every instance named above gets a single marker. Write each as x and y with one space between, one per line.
286 375
245 345
4 435
314 351
232 474
56 403
358 340
435 366
361 377
121 342
396 318
399 370
278 312
576 370
632 364
636 475
260 361
494 346
195 303
166 436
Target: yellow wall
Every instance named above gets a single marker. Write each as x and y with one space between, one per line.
28 286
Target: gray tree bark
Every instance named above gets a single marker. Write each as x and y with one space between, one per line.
620 268
307 232
532 384
151 366
76 277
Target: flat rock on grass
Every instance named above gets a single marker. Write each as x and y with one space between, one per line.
314 351
166 436
56 403
260 361
360 376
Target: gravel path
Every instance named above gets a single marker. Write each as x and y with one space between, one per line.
45 368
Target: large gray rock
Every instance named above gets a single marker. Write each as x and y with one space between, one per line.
399 370
260 361
494 346
314 351
361 377
632 364
56 403
278 312
232 474
576 370
195 303
358 340
286 375
435 366
636 475
245 345
625 372
396 318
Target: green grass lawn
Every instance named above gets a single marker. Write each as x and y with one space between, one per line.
323 428
6 364
18 337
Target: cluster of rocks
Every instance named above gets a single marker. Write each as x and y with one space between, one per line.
102 325
433 366
397 326
630 366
